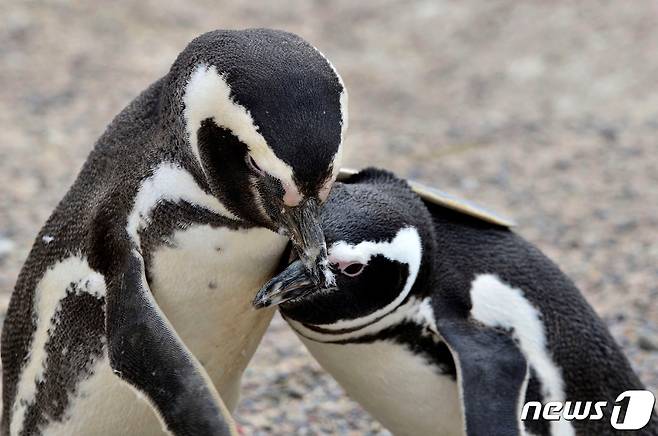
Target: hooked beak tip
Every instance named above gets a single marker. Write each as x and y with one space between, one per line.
261 304
291 283
265 296
303 225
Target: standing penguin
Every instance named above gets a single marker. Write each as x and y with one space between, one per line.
136 296
442 321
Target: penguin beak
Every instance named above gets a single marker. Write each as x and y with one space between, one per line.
291 283
303 225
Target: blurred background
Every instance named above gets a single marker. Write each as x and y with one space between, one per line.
544 111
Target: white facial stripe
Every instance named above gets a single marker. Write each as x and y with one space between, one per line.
171 183
207 95
338 157
343 96
498 305
326 188
405 248
335 169
53 287
417 311
344 114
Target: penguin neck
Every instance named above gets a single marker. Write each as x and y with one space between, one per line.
426 277
172 135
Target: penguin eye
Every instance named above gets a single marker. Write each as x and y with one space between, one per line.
353 269
253 165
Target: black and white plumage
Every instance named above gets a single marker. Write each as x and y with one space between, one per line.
141 280
443 323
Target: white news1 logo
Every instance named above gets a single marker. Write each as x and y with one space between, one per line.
631 410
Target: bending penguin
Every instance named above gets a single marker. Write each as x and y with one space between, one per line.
133 311
442 321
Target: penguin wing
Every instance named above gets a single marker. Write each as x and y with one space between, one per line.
146 352
441 198
491 372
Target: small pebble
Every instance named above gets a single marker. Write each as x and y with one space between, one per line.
6 247
648 341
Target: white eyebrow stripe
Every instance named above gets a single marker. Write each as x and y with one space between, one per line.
208 95
344 97
344 122
406 311
405 247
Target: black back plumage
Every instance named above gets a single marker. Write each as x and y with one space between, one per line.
268 72
374 204
593 367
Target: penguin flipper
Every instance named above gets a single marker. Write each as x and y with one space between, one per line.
145 351
491 372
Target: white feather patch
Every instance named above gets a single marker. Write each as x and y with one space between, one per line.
344 112
405 247
53 287
171 183
208 95
396 385
498 305
407 311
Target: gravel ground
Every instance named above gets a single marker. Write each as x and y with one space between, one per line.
545 111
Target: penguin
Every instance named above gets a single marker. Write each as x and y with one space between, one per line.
442 320
132 313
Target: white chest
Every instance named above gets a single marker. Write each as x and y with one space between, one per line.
397 387
205 282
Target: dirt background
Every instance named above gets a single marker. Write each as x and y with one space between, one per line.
545 111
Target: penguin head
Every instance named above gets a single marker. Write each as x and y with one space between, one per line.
264 116
379 238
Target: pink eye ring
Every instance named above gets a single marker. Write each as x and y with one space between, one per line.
352 269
